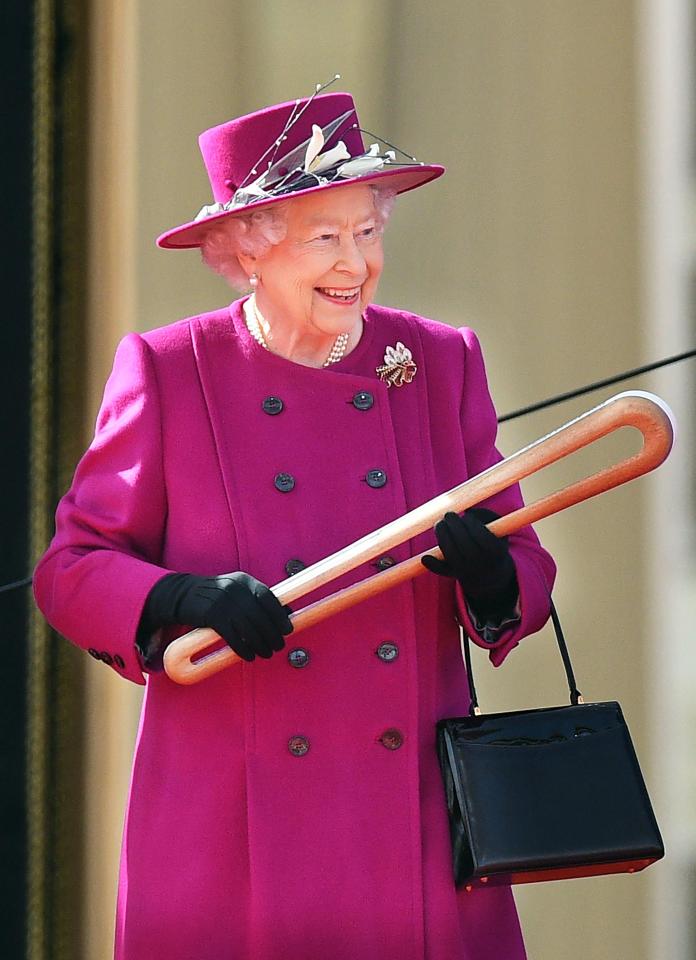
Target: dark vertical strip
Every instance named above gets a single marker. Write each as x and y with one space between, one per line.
57 307
40 458
70 217
15 211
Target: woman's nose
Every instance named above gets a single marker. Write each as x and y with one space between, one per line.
350 257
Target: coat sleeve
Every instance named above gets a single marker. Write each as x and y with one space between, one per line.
535 568
92 582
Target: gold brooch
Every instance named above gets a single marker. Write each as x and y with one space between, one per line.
399 366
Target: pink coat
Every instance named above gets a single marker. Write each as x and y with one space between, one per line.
234 846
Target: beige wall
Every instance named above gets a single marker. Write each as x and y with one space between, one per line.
532 238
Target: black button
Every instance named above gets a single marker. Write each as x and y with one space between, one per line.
120 662
284 482
392 739
298 746
387 652
363 400
294 566
272 406
376 478
94 653
384 562
106 658
298 657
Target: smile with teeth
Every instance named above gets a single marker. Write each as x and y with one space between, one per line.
339 295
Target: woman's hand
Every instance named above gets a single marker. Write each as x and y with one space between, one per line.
479 560
246 614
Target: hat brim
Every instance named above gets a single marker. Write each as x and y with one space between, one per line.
192 234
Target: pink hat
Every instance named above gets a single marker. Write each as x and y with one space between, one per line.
291 149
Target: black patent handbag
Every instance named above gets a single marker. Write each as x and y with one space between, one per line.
544 794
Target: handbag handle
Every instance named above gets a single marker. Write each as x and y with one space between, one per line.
575 695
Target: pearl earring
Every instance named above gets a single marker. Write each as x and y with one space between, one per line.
254 281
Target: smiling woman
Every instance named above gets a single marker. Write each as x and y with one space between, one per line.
292 807
314 235
315 284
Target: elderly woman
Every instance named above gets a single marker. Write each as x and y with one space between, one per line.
291 806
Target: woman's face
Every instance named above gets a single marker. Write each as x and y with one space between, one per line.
320 278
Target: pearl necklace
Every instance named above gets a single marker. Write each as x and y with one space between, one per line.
253 322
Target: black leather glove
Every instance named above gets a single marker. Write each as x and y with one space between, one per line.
249 618
479 560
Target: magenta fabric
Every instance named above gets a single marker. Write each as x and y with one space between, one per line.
233 846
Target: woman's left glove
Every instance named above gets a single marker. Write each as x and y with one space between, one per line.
479 560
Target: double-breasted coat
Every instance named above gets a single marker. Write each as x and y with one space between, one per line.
288 808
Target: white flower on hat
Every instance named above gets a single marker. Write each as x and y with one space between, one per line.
210 210
315 161
368 163
252 191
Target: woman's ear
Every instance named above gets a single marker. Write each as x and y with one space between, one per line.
248 263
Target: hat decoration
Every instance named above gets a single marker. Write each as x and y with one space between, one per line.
331 155
306 166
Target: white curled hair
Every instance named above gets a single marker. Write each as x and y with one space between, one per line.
255 232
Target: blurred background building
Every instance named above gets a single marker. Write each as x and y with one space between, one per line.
563 232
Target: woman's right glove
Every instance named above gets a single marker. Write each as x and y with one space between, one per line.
246 614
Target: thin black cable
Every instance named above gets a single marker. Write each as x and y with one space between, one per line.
562 397
16 584
382 140
551 401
